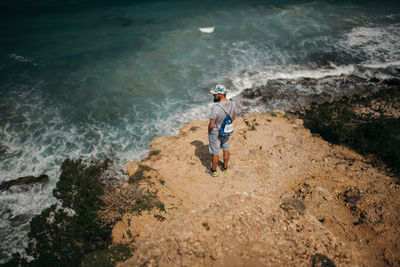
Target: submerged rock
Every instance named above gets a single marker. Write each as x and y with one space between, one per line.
24 181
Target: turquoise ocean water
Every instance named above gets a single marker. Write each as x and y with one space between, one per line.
97 79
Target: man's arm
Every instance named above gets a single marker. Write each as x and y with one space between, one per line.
211 126
234 116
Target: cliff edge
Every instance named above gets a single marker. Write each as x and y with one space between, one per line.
289 198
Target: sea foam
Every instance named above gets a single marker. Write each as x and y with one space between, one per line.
207 30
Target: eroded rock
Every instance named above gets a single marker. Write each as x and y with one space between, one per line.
24 181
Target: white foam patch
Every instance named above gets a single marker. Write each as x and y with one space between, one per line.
376 45
383 65
264 76
207 30
252 79
20 58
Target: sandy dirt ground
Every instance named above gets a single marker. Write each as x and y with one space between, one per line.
288 198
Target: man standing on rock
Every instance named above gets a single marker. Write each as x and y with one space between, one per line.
219 112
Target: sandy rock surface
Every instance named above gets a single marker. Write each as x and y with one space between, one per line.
289 198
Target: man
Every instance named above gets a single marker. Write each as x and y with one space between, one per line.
218 113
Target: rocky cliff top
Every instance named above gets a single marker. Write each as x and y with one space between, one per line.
289 198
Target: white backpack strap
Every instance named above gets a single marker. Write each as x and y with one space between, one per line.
224 109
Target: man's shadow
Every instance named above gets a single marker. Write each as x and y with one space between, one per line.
202 153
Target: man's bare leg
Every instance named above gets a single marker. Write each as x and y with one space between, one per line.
226 158
214 160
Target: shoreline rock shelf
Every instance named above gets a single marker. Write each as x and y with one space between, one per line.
23 181
289 198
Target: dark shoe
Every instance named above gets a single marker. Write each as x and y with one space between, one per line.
213 173
221 166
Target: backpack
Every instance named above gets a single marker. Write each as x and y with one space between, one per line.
227 125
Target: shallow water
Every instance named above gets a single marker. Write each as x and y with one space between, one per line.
103 78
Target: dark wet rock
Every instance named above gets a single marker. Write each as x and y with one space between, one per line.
320 260
19 219
392 82
374 80
246 104
297 94
251 94
354 79
307 81
23 181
